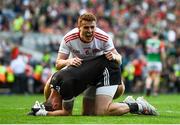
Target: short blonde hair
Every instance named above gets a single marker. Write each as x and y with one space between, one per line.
86 17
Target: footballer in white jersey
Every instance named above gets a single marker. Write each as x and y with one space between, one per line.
72 43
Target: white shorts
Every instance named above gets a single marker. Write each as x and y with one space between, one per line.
154 66
91 91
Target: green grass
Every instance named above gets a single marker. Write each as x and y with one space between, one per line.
13 110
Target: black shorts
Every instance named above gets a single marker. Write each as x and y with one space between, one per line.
97 71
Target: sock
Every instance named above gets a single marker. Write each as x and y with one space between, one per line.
148 92
134 108
140 108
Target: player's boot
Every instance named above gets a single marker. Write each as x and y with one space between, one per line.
145 107
129 99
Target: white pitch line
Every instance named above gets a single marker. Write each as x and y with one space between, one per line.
15 108
170 111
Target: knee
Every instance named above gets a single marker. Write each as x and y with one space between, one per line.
88 106
100 112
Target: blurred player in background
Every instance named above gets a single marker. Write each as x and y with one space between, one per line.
155 50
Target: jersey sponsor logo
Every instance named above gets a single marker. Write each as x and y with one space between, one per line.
96 50
74 50
153 46
90 51
87 51
151 49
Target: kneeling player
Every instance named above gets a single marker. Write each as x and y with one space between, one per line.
68 83
88 96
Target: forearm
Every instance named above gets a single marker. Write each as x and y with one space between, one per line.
43 112
67 109
59 113
60 63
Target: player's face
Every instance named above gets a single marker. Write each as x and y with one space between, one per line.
56 103
55 99
87 29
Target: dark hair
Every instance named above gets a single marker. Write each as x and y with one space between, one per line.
48 106
161 37
155 33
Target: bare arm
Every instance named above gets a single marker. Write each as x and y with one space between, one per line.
63 60
163 56
67 110
58 113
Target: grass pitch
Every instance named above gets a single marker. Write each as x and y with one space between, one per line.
13 110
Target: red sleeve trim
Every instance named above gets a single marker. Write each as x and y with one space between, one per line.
101 37
74 34
71 38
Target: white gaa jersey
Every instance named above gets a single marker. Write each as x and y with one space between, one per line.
71 43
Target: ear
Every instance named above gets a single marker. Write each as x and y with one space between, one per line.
55 106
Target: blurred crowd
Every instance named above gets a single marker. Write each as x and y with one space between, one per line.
129 22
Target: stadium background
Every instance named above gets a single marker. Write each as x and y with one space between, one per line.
32 30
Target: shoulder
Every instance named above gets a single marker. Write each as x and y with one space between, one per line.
71 35
101 35
100 32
